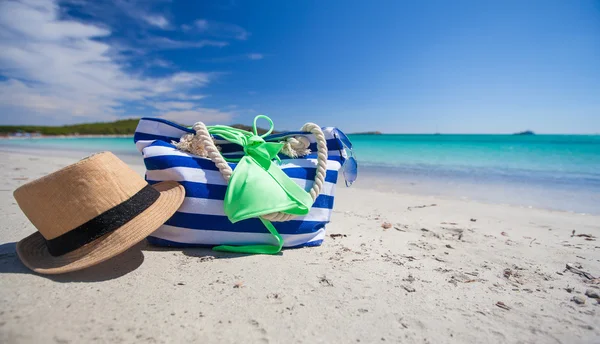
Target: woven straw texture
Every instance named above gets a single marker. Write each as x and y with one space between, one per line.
70 197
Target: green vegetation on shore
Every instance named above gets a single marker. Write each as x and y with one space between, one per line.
122 127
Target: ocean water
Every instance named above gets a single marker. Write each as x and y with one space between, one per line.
559 172
121 146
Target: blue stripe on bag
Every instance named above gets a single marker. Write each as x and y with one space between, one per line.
309 173
149 137
164 162
168 161
222 223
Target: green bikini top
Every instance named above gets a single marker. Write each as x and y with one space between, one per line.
258 186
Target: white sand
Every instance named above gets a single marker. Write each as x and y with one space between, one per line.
416 282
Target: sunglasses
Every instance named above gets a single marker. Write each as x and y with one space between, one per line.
350 167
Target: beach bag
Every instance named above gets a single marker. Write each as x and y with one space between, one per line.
298 158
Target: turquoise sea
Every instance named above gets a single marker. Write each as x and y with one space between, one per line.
549 171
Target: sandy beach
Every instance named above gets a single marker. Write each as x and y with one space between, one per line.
394 268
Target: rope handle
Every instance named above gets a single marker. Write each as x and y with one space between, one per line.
212 152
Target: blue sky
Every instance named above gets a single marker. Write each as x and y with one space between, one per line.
395 66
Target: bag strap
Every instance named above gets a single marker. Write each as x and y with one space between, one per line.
256 249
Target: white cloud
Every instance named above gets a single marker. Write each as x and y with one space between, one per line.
175 82
56 68
118 12
217 29
156 42
17 94
201 24
183 96
156 20
31 21
189 117
256 56
159 63
171 105
235 58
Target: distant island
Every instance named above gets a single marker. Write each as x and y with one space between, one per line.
526 132
368 133
124 127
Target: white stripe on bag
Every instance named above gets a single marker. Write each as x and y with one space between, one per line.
197 175
208 237
205 206
141 144
153 151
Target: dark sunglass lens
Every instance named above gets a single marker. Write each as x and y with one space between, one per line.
345 140
350 170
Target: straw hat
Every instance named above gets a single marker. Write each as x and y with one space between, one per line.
89 212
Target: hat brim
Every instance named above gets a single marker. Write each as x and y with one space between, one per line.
34 254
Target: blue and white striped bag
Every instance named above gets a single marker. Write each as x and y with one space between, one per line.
201 221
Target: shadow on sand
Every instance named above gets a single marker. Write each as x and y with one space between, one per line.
113 268
201 252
